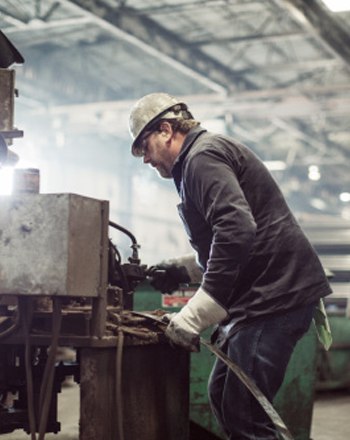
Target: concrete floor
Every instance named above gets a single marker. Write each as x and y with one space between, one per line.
68 416
331 418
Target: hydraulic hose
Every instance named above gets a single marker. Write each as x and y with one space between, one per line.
26 313
15 325
125 231
118 388
25 308
49 373
135 246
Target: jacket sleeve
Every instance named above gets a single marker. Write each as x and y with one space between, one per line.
213 184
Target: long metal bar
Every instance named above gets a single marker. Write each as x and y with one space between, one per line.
259 38
268 408
262 104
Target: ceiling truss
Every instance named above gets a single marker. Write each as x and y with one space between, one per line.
276 72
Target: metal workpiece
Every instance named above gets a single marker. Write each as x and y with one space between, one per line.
7 129
52 244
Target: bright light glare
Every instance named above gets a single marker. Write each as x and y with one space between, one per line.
314 173
344 197
275 165
318 204
6 174
337 5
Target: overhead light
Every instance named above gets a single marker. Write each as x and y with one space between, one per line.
275 165
337 5
314 173
318 204
344 197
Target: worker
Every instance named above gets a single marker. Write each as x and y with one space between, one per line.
261 278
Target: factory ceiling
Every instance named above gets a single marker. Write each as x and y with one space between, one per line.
273 73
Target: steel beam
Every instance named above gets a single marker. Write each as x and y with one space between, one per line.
322 23
262 104
152 38
256 38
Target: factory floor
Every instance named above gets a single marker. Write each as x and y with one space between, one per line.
331 417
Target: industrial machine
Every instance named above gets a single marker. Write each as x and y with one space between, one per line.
63 284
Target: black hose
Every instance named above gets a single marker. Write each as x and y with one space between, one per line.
135 246
118 388
49 373
16 321
25 307
125 231
114 247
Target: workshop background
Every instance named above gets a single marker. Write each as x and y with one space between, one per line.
274 74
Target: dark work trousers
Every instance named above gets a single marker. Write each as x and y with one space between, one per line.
263 350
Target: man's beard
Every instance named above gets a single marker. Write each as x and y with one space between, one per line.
163 172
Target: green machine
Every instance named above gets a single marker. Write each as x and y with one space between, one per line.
333 366
294 402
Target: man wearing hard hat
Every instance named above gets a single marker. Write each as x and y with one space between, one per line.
262 279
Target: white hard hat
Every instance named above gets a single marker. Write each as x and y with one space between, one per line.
149 110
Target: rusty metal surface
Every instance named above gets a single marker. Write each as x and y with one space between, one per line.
7 96
76 329
155 394
137 329
50 244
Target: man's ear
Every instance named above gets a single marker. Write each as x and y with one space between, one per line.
166 129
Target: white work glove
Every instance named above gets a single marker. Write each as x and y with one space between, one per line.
200 313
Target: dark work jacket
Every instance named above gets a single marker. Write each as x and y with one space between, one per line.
255 257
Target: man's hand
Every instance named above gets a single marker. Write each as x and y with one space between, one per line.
200 313
167 277
179 336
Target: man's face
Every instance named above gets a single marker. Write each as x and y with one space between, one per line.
157 152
